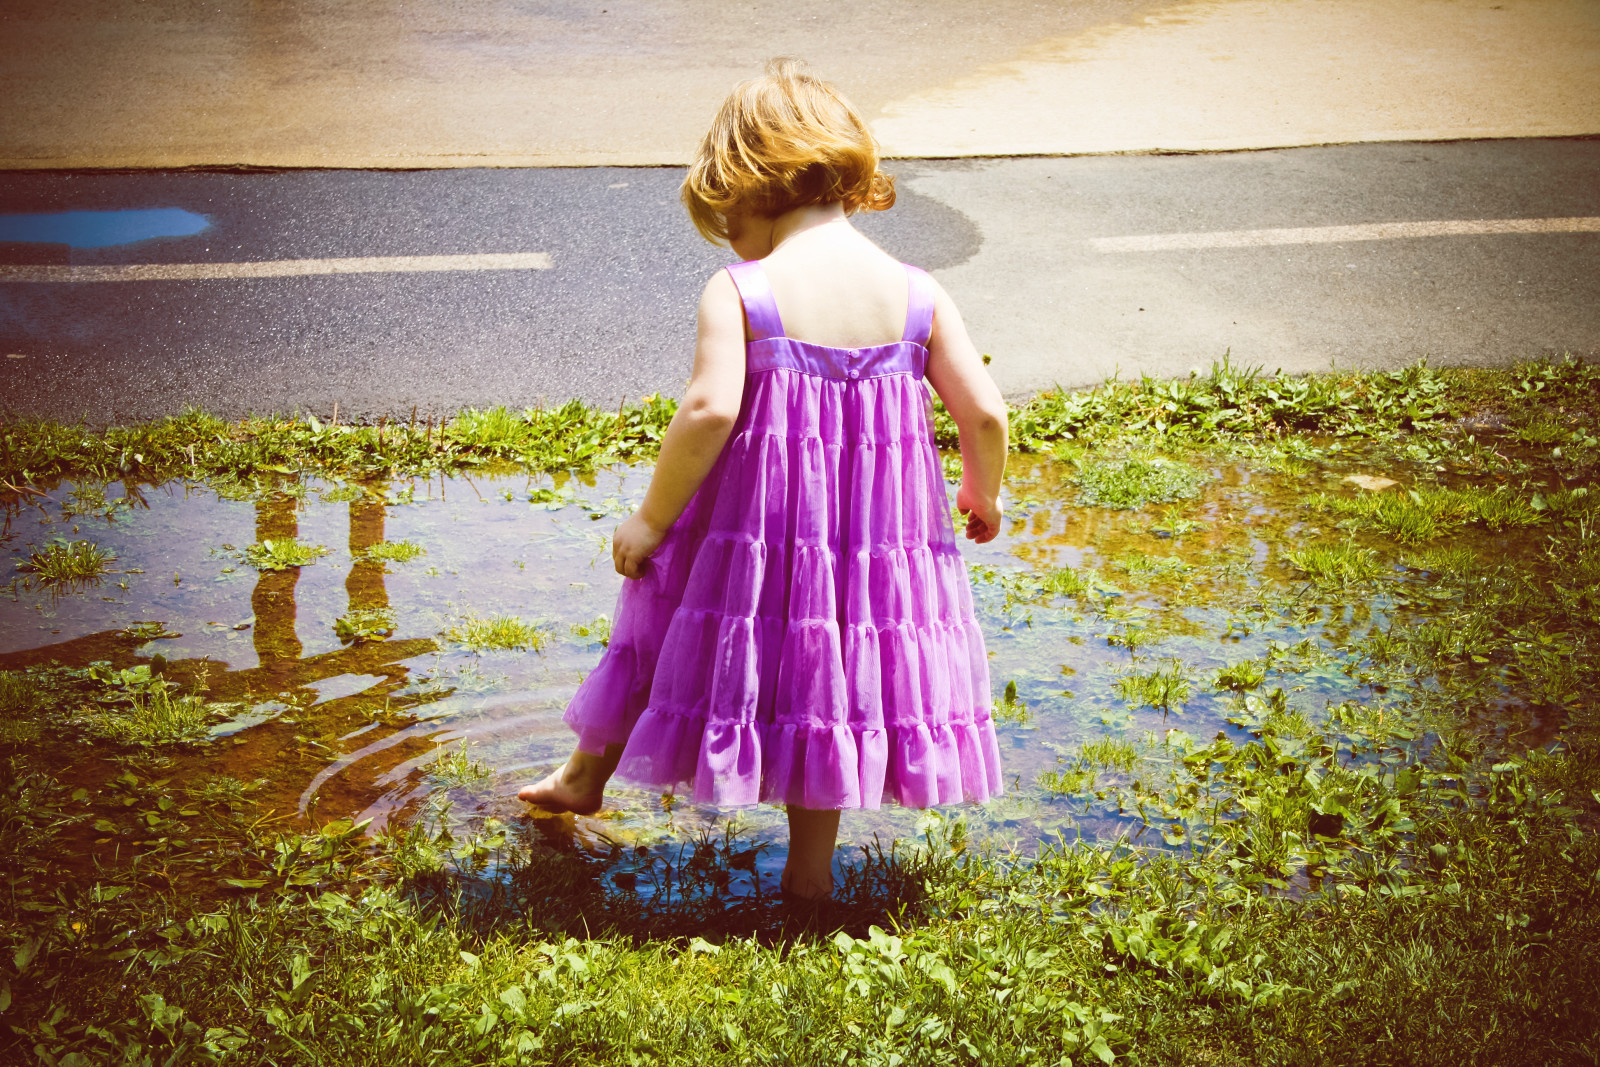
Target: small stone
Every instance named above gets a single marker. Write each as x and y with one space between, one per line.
1373 483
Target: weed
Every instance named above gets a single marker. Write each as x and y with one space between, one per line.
1166 688
68 561
596 631
498 633
1242 676
1135 482
370 624
282 553
1012 708
1337 566
394 552
454 768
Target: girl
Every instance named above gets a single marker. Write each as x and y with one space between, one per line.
797 624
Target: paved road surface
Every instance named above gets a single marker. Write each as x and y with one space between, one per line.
439 83
612 316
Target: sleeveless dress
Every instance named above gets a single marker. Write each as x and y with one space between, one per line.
805 634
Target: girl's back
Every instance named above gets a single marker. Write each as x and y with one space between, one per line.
834 287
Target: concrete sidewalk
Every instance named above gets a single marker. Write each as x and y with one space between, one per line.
342 83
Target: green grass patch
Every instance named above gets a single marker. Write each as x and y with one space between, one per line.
394 552
279 554
1337 566
1166 688
1417 515
366 624
68 561
1135 482
503 633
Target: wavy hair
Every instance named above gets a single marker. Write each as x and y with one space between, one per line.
782 141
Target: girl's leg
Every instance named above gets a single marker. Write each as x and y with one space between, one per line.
578 786
812 837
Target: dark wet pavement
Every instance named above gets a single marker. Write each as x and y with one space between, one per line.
613 316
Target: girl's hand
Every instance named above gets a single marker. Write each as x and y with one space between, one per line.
983 515
633 544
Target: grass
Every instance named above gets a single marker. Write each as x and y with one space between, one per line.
454 768
368 624
282 553
1417 515
1337 566
1380 881
596 631
1135 482
504 633
394 552
68 561
1166 688
1011 708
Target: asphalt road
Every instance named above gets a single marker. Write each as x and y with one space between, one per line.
1012 239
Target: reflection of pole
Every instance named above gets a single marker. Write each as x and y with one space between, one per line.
273 598
364 586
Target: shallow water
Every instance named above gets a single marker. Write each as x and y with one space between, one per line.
353 730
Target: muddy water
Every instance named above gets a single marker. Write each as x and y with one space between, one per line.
357 730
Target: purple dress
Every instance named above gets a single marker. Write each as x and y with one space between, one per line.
804 634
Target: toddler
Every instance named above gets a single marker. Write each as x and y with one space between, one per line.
796 624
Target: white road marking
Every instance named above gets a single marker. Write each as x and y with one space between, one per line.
1317 235
274 268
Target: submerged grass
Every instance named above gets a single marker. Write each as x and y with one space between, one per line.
279 554
1135 482
1337 566
503 633
394 552
68 561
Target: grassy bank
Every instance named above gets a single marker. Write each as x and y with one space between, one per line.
1412 878
1542 403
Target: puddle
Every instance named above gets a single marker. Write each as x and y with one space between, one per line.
348 695
101 229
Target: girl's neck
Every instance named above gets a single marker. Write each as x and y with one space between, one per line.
793 223
758 236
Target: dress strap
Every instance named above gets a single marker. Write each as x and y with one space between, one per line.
760 309
919 308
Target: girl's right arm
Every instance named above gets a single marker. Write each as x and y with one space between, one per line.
970 395
695 437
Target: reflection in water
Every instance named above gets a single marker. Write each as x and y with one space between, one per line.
352 726
277 646
365 582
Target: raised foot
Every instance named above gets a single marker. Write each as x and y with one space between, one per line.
553 793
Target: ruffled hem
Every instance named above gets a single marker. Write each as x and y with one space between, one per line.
735 764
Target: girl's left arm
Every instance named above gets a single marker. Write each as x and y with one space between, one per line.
695 437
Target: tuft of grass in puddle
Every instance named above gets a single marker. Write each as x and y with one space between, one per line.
1337 566
68 561
454 768
1417 515
279 554
1166 688
1011 708
366 624
595 631
1135 482
1242 676
506 633
394 552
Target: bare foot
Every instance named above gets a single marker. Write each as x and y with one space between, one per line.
553 793
578 786
805 887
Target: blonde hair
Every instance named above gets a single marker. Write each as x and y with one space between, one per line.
782 141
